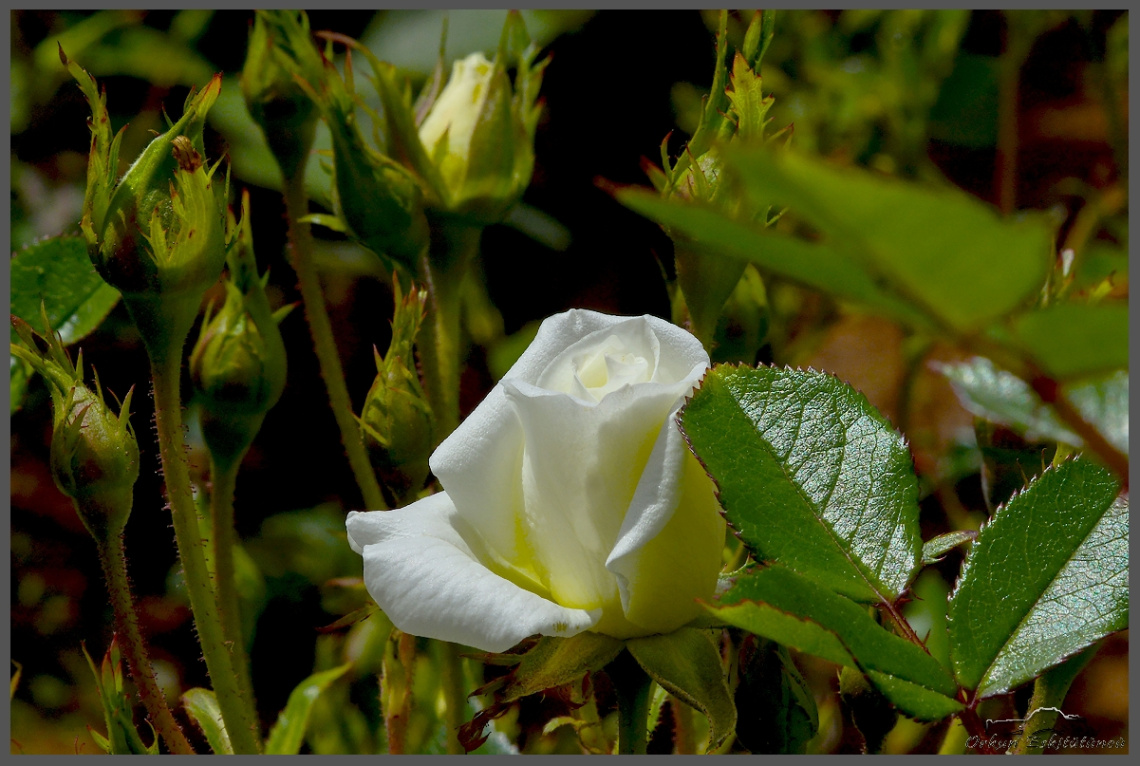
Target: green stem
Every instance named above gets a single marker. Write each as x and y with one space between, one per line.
241 724
454 696
632 685
224 478
1009 75
1049 692
442 268
296 207
113 557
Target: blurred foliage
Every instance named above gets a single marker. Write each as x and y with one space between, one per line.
910 93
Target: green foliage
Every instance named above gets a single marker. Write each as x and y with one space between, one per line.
122 736
1002 397
1075 340
57 274
780 605
1045 578
810 475
289 731
202 707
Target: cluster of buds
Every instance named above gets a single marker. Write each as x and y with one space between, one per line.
94 453
158 233
238 364
464 147
396 419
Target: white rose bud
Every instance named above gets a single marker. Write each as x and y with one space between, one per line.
480 139
570 501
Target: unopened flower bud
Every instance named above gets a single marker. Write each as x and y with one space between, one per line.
94 454
238 364
281 47
397 419
479 133
379 202
157 235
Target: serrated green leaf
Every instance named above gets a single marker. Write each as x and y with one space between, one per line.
202 707
1072 340
780 605
809 475
687 664
288 732
1004 398
818 266
945 251
935 548
1046 577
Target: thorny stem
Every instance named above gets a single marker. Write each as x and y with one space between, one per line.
113 557
237 713
223 539
442 268
320 327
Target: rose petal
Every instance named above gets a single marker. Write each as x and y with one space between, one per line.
425 577
479 464
668 551
580 468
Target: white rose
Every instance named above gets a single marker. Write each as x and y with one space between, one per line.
570 500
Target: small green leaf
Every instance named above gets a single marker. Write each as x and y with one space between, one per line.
945 251
934 549
202 707
1046 577
286 735
57 272
686 663
819 266
1004 398
780 605
1071 340
809 475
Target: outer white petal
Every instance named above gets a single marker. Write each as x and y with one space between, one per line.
425 577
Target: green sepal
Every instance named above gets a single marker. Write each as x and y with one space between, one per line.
122 736
687 664
548 663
